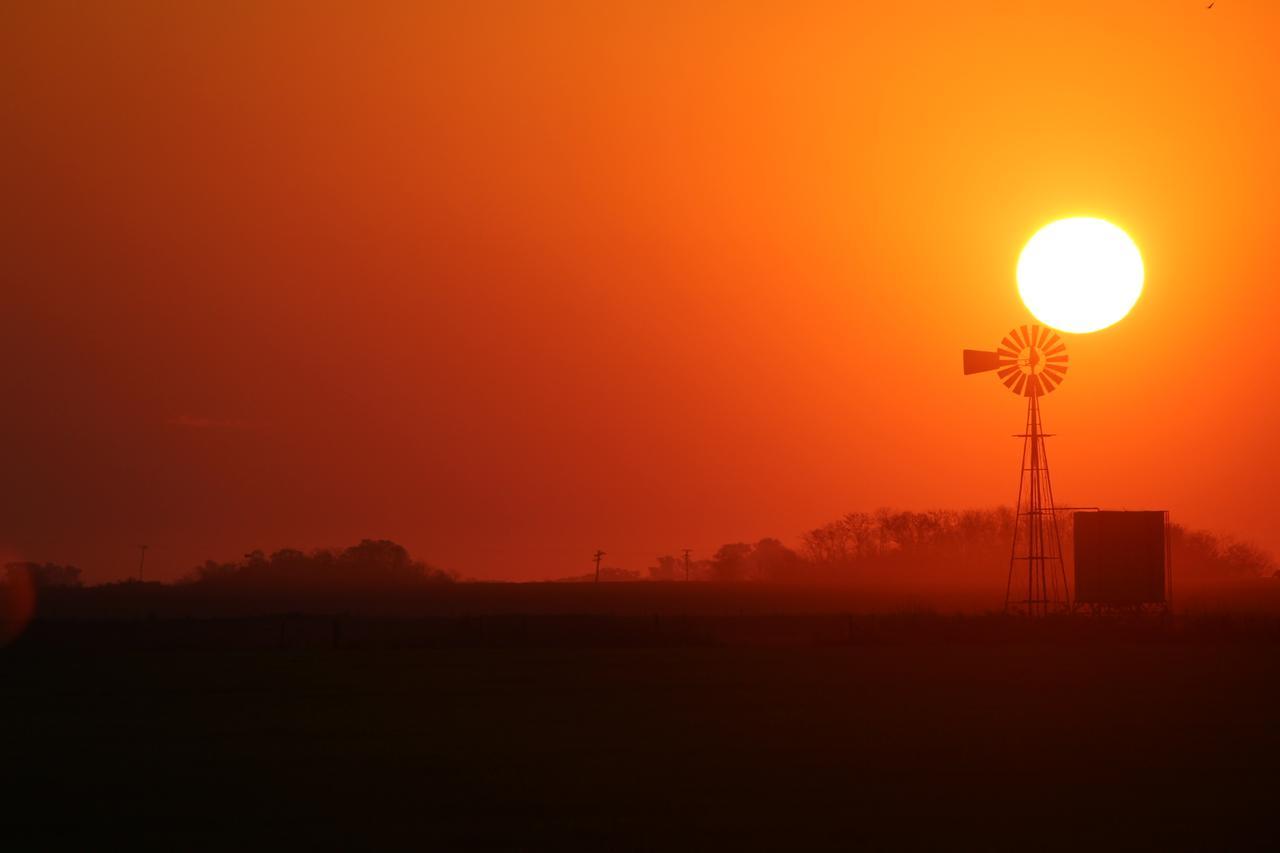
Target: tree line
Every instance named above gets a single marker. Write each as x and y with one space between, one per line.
373 563
960 544
861 546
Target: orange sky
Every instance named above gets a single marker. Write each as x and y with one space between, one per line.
509 282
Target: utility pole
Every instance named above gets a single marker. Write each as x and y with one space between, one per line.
686 564
599 556
142 559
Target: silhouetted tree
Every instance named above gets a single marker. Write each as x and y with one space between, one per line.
1247 560
940 542
372 563
214 572
730 563
668 569
44 575
770 560
1201 554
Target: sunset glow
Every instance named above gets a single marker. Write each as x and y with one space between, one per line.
611 425
508 288
1080 274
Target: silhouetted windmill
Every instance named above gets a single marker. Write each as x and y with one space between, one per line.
599 556
1032 361
142 559
687 552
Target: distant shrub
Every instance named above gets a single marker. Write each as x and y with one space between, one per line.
1201 554
44 575
372 563
608 574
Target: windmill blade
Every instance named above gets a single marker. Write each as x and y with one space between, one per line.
980 361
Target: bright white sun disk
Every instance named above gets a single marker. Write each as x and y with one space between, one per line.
1080 274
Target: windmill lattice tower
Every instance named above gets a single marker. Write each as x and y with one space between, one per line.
1031 361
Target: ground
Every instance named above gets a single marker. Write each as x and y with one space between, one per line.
992 738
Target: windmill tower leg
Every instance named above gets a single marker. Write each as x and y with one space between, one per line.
1037 583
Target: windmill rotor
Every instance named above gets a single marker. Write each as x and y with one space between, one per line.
1031 361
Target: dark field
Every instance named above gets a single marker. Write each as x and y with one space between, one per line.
968 732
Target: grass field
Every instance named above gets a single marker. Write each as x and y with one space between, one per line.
988 739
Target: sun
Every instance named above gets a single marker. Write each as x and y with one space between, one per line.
1080 274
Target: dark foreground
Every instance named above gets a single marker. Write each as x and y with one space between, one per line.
984 736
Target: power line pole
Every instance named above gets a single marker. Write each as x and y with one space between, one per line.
599 556
686 564
142 559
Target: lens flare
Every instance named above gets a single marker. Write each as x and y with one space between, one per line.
1080 274
17 604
